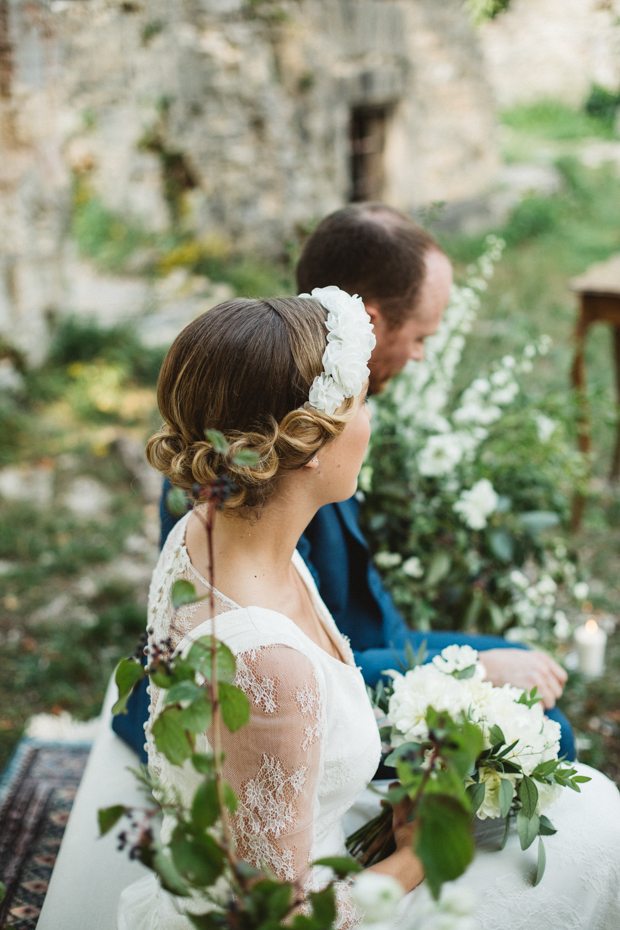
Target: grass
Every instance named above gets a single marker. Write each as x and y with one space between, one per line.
54 556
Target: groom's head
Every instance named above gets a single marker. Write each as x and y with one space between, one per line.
396 267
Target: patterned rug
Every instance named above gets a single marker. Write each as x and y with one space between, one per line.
36 795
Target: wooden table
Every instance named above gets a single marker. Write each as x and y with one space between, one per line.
599 293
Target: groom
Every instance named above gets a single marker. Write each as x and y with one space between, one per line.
404 279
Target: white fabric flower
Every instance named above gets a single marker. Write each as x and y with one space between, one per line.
475 505
350 342
376 896
326 394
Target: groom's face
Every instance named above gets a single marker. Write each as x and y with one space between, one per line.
397 346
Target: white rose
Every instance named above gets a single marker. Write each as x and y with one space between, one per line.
325 394
376 896
413 567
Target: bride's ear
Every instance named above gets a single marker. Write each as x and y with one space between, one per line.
313 463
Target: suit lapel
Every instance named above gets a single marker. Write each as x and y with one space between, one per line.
348 511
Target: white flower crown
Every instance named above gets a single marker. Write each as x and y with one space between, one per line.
350 342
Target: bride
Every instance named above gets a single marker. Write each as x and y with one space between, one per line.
287 378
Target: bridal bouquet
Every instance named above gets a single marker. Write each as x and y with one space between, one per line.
516 775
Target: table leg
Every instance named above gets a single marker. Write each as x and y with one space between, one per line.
578 380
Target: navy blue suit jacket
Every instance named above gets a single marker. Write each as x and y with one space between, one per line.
337 554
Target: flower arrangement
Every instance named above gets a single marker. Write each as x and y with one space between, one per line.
517 773
465 492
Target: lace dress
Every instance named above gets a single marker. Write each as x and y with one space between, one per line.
310 748
301 766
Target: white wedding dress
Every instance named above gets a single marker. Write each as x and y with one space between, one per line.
305 758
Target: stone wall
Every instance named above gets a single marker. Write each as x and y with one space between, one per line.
553 48
231 119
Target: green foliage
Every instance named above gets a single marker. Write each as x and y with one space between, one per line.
444 843
603 104
102 235
128 673
108 817
550 119
83 339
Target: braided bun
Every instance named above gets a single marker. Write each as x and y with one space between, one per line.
245 369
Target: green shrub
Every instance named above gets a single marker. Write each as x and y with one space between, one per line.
553 120
83 339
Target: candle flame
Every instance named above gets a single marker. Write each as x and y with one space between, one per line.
591 625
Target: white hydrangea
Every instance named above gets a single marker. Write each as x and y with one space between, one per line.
475 505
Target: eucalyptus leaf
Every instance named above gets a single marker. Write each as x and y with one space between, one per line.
496 736
542 861
528 828
217 440
528 795
438 569
502 545
546 827
476 794
128 673
505 796
107 817
234 706
536 521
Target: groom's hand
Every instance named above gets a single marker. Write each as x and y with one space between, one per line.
525 669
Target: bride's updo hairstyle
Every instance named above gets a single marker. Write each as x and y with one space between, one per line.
244 368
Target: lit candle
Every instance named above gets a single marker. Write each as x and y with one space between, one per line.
590 641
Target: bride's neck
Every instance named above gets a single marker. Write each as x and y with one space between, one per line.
262 546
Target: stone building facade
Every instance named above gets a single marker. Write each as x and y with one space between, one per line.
243 119
552 49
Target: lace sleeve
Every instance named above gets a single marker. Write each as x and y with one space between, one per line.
274 765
